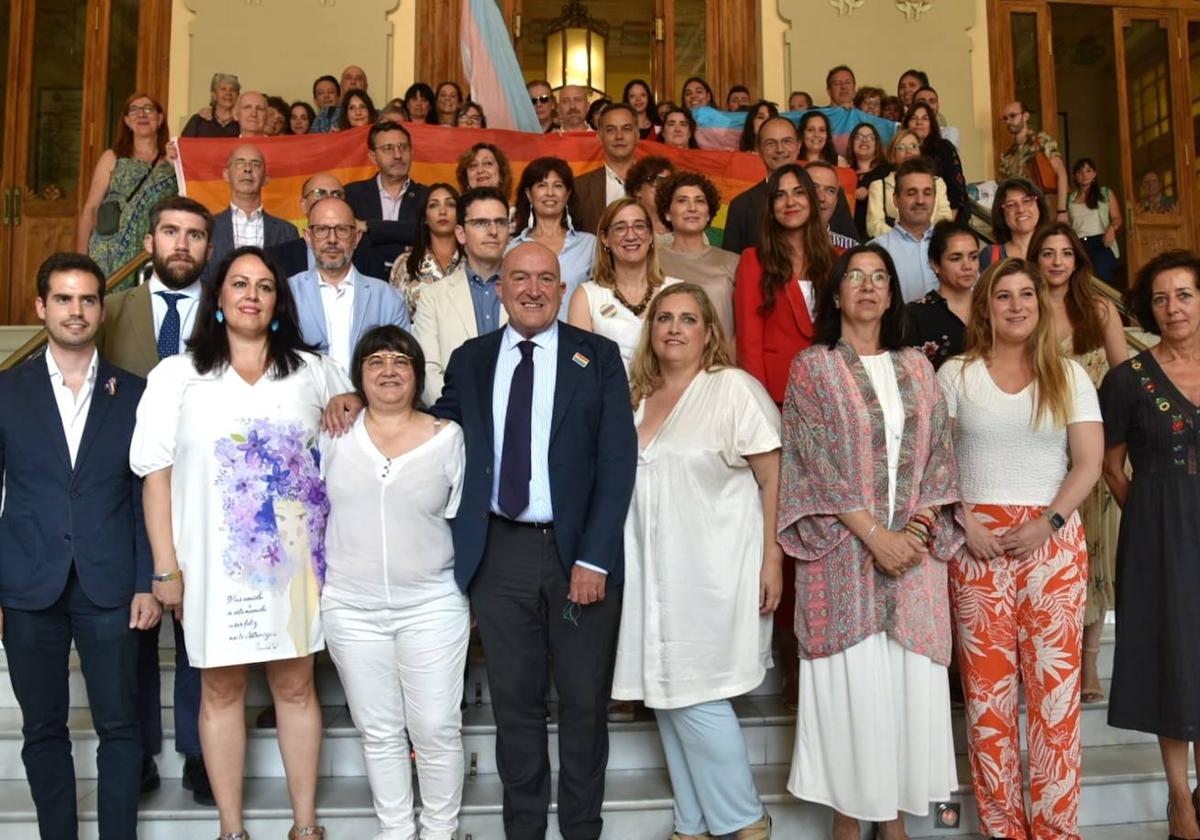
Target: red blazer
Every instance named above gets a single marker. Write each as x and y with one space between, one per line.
766 344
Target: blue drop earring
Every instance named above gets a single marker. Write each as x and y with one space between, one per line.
275 325
220 317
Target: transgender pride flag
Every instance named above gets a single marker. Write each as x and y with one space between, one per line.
723 129
491 68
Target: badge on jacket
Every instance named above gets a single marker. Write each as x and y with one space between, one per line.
581 360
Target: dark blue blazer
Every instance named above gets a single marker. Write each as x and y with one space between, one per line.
593 450
388 237
55 516
276 231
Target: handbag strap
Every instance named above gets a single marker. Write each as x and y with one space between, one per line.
142 182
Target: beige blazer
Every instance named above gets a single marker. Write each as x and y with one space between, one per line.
445 319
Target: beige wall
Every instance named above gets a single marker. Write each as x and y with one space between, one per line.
281 46
802 39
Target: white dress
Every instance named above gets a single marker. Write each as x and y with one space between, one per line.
690 627
611 319
873 732
248 505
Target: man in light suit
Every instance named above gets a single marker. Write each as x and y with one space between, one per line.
75 562
391 201
599 188
551 457
245 222
336 304
467 303
141 326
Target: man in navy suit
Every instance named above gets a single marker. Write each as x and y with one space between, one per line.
551 458
75 562
391 201
244 221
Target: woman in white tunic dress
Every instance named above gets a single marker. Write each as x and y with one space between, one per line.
703 568
226 438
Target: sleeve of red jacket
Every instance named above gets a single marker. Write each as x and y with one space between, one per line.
748 331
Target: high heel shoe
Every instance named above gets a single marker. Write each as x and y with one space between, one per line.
316 832
1176 836
1091 694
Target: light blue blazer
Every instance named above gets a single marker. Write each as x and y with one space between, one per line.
375 303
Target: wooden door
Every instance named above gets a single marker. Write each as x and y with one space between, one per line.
1190 26
1152 103
1022 69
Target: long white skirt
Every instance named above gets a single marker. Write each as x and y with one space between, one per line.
873 734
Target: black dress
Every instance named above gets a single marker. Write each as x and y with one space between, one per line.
1156 669
933 329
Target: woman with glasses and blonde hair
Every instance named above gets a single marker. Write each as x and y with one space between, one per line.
625 278
707 432
868 481
881 194
129 179
1029 440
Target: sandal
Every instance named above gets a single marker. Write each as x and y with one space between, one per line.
234 835
1091 694
315 831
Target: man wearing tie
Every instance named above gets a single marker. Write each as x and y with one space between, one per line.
141 326
75 562
551 457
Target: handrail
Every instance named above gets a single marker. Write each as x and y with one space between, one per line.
1112 294
38 339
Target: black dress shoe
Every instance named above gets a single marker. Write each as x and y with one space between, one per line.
150 780
195 779
266 718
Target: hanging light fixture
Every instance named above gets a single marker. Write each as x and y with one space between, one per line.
575 49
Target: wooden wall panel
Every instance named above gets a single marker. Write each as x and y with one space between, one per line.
732 47
439 57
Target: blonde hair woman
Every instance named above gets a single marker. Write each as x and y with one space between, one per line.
701 578
625 277
1029 441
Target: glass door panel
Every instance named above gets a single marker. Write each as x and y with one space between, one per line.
1193 114
1026 70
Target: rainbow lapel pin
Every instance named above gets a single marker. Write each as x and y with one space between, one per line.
581 360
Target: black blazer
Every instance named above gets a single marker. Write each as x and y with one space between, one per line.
56 516
746 211
388 237
593 450
275 232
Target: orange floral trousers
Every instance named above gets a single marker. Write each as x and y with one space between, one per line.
1022 620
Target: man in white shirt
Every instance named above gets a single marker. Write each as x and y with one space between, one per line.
335 303
908 241
573 108
245 222
601 187
141 326
75 559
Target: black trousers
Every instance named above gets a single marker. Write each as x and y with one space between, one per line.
519 597
38 645
187 693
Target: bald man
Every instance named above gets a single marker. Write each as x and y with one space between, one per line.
244 221
354 78
251 111
294 256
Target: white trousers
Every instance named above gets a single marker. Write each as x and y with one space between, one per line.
402 669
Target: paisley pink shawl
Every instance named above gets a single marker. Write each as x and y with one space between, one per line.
835 461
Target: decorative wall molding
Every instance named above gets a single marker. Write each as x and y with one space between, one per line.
846 7
913 9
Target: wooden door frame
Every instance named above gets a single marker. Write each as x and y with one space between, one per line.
1004 72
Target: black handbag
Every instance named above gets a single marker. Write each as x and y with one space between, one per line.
108 214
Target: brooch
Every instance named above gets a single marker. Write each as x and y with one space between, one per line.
111 386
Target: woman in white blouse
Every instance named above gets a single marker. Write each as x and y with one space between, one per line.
396 624
1029 442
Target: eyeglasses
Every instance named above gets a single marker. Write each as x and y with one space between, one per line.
471 119
487 224
393 148
320 192
621 228
240 163
1019 203
541 100
377 362
139 110
773 146
857 277
658 179
323 231
908 147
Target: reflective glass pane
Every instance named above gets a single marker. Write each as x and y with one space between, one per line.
56 108
1148 88
1193 32
1026 72
626 49
689 45
122 63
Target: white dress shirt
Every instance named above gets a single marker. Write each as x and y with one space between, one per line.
389 206
186 306
71 408
614 186
247 230
338 303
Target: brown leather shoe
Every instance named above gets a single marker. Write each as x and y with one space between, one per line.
760 830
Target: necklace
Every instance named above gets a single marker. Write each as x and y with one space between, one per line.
641 307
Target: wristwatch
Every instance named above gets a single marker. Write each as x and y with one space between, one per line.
166 577
1055 518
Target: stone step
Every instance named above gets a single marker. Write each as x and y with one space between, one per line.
1120 785
329 686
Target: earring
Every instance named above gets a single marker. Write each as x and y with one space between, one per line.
837 303
220 317
275 325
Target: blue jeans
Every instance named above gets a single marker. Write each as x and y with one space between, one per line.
710 771
38 645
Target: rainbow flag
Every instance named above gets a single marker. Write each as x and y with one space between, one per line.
723 129
200 167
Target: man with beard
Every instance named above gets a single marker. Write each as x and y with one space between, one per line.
336 303
142 326
75 562
573 107
245 222
391 201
